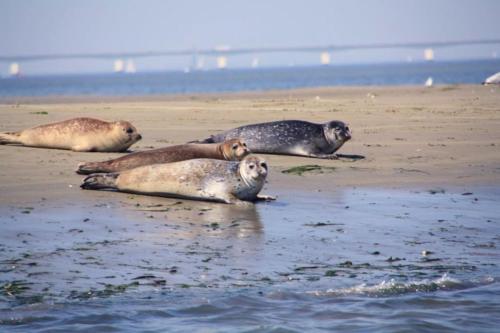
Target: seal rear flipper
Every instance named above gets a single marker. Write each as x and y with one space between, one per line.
10 138
100 181
91 167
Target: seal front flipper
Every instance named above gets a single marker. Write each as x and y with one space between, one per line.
239 202
100 181
83 148
352 157
324 156
264 197
10 138
207 140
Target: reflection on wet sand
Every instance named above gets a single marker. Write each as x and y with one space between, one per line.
191 219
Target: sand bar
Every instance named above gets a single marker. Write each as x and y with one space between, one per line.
410 136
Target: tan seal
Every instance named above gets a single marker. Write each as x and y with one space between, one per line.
78 134
198 179
231 150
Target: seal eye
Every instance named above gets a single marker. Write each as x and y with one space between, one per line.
347 128
244 144
264 165
129 130
251 166
235 146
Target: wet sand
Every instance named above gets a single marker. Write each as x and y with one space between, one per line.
352 229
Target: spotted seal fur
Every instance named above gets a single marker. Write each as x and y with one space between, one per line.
290 137
198 179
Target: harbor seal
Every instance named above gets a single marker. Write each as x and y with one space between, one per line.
78 134
198 179
290 137
231 150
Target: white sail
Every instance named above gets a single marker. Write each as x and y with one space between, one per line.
14 69
255 62
130 68
221 62
325 58
429 54
119 66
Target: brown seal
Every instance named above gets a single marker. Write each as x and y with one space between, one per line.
198 179
78 134
231 150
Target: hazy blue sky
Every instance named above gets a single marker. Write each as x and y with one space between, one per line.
64 26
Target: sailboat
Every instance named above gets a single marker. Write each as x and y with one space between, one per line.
14 69
130 67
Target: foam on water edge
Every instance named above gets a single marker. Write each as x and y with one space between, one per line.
393 287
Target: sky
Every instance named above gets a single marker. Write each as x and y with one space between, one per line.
89 26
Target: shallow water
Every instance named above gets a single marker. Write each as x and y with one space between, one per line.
356 260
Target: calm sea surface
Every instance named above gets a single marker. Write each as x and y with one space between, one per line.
357 260
473 72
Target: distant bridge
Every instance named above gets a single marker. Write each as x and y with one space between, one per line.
227 51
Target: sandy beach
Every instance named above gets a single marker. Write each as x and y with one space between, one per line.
445 135
417 217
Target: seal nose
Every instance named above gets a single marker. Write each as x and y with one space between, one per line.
139 137
347 133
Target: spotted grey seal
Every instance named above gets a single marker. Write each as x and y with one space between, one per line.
290 137
78 134
231 150
198 179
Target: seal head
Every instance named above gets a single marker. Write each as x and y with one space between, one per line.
127 134
253 171
336 134
234 149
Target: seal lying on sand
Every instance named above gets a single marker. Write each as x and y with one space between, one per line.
290 137
231 150
200 179
78 134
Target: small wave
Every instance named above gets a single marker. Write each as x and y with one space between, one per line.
393 287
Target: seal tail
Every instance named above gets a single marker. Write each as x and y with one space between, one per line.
91 167
10 138
100 181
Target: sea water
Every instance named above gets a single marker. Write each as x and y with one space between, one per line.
353 260
232 80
